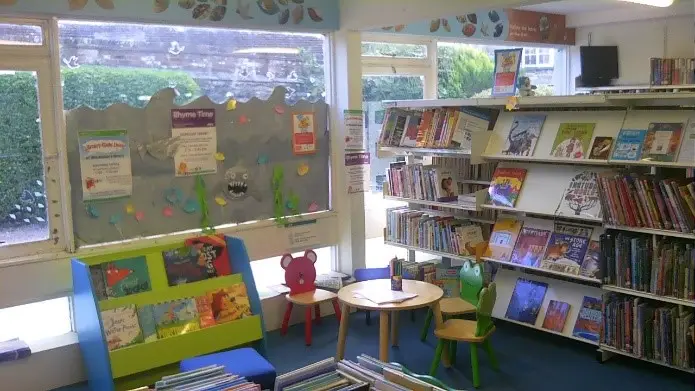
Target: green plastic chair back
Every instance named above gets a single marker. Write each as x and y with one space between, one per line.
472 281
486 303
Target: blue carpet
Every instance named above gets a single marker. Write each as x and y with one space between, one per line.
530 360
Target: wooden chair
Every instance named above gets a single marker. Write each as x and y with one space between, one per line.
300 277
476 333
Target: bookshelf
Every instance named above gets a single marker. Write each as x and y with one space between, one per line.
548 176
613 350
146 362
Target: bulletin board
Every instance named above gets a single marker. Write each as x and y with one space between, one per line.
254 148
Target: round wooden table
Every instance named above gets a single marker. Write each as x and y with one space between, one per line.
428 295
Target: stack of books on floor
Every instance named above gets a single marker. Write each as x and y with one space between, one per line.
651 331
210 378
632 262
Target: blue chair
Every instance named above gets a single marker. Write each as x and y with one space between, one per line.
368 274
246 362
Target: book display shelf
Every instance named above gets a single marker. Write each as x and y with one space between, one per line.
125 351
594 204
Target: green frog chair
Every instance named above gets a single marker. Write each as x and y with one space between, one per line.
475 332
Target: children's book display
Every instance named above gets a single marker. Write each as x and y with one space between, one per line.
588 324
526 301
524 134
556 316
581 197
161 305
530 246
503 238
572 140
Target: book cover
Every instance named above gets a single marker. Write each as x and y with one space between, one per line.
588 323
200 259
572 140
590 266
505 186
147 322
629 144
524 134
469 236
556 316
526 301
502 239
565 253
530 246
572 229
662 142
176 317
581 197
121 327
446 183
98 282
126 277
447 278
204 307
229 304
601 148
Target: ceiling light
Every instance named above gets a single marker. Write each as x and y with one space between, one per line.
653 3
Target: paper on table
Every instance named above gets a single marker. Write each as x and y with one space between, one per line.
384 296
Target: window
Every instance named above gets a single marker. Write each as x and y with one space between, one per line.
36 321
538 57
268 272
20 34
393 50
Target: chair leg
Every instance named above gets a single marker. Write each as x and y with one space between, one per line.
452 353
336 308
474 365
491 355
437 357
307 325
286 319
317 313
426 327
368 317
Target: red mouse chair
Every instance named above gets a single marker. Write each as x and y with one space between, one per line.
300 275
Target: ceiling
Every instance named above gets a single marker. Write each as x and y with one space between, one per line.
580 6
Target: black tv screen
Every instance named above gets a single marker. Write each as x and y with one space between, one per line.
599 65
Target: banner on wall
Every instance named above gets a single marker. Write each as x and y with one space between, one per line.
197 136
357 172
105 164
507 63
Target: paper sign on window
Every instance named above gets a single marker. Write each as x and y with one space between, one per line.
303 133
105 164
195 129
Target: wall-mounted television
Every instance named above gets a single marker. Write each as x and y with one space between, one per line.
599 65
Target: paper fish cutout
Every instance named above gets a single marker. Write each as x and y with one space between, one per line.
279 110
114 275
93 211
115 219
313 207
262 159
219 156
129 209
244 120
220 201
167 211
303 169
191 206
161 149
173 195
231 105
139 216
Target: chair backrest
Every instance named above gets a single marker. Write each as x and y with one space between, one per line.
300 272
472 280
486 303
367 274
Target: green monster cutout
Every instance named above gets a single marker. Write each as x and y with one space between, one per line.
472 281
488 296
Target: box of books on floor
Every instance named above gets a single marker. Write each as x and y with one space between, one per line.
210 378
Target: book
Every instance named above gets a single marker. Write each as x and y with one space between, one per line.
200 259
126 277
588 323
572 140
601 148
591 264
229 304
581 197
530 246
526 301
565 253
448 279
204 307
96 273
556 316
505 186
446 189
524 134
121 327
662 142
503 239
14 349
629 144
148 326
176 317
468 237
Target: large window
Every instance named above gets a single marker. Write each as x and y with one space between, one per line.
36 321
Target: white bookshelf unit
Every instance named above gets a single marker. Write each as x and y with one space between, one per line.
547 177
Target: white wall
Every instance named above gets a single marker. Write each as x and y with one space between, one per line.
637 42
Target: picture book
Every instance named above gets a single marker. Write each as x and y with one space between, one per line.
530 246
230 303
200 259
687 151
524 134
590 266
98 282
572 140
628 146
204 307
121 327
526 301
505 186
446 184
556 316
565 253
126 277
468 237
469 121
588 323
147 322
601 148
662 142
502 239
176 317
447 278
581 197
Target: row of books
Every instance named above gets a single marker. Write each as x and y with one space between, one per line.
631 261
647 201
432 128
130 325
417 181
210 378
647 330
671 71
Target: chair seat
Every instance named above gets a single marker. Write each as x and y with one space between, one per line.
309 298
460 330
246 362
455 306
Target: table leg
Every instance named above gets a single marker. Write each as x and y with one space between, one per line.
342 332
394 328
439 322
384 336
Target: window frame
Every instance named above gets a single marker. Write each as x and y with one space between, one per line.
537 54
